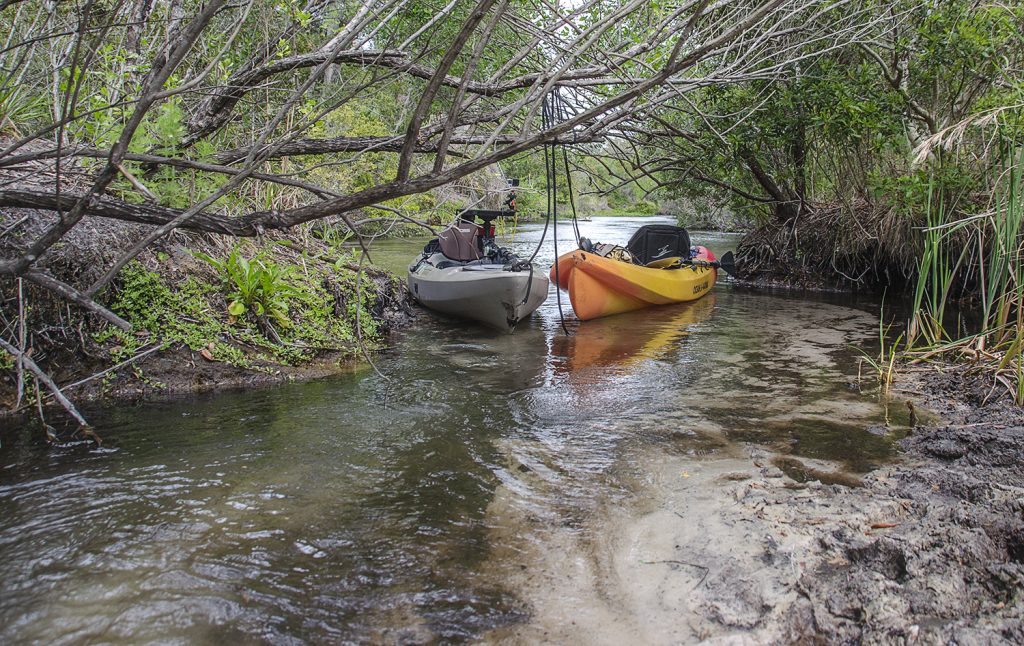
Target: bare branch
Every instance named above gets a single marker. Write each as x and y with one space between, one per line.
41 375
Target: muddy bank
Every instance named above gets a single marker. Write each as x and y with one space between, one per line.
179 369
206 312
89 369
731 549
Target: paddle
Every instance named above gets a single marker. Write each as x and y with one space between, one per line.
727 263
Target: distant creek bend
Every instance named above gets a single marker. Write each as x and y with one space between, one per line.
359 509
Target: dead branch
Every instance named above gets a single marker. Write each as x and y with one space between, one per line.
471 95
44 378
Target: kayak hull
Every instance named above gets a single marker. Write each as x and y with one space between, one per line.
601 286
486 293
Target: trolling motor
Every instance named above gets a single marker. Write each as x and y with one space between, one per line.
488 216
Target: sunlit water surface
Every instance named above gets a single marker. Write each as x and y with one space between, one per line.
355 508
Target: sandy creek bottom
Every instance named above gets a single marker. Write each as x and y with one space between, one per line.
690 545
612 486
704 557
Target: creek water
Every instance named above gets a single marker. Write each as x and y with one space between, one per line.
362 509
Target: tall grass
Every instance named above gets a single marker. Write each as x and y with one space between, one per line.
996 348
884 365
933 274
1005 279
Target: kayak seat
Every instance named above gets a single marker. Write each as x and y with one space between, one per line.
654 242
461 241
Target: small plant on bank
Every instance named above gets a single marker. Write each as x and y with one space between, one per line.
168 316
321 315
884 364
332 235
257 286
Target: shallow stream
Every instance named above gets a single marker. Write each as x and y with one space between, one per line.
359 509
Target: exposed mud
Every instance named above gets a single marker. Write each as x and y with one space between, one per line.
735 549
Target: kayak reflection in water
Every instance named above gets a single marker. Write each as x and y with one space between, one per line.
616 344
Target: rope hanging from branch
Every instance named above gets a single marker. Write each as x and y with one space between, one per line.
555 111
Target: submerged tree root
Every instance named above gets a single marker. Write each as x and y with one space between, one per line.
45 379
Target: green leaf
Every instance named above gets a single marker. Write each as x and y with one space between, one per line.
208 259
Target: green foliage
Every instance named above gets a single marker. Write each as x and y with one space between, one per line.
914 192
165 129
836 129
334 235
645 207
321 315
257 286
19 108
173 316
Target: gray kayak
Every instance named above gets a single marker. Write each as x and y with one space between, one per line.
497 295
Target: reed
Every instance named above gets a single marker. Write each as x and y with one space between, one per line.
996 348
884 364
933 275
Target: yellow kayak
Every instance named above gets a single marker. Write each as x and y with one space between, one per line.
600 286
